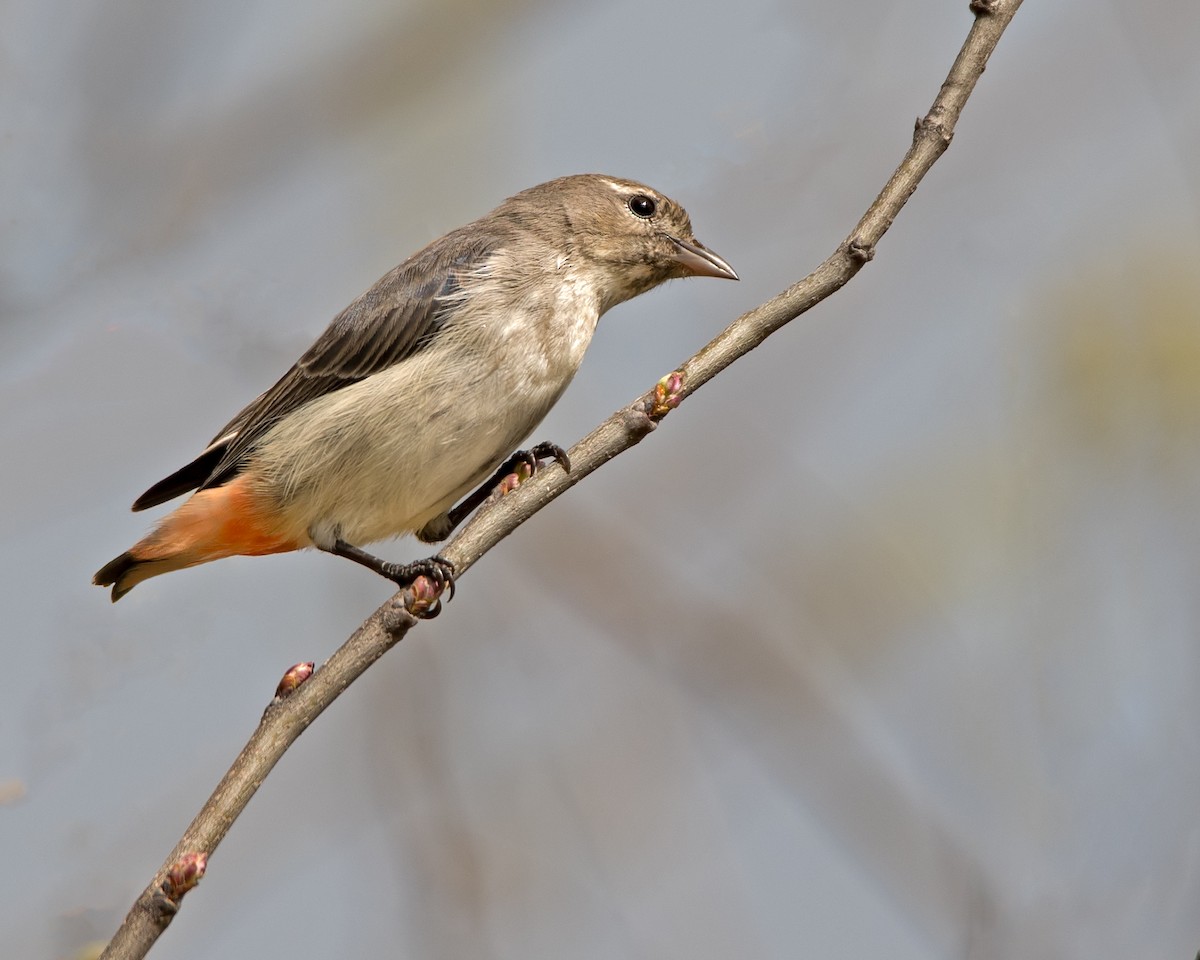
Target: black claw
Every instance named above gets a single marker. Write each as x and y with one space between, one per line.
532 458
548 451
434 611
526 457
436 568
444 574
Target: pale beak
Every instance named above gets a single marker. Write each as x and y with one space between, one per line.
699 261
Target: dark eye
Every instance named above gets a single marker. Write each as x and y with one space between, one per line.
642 206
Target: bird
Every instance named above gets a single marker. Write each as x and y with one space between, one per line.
419 391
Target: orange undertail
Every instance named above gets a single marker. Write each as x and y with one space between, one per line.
211 524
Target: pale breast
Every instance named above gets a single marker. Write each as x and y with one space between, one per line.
384 456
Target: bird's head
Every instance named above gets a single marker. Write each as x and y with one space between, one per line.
625 236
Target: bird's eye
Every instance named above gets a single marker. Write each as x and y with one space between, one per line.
642 206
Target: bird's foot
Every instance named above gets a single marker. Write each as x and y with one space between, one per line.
437 571
526 463
508 476
428 580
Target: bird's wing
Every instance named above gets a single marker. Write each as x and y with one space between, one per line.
393 320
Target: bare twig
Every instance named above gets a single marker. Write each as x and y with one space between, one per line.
302 698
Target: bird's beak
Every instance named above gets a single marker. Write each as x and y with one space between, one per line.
699 261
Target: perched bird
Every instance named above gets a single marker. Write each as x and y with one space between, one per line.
420 389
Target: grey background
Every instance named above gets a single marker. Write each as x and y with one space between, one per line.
886 641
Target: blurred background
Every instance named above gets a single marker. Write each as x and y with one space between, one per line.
886 643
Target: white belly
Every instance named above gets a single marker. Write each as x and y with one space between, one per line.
384 456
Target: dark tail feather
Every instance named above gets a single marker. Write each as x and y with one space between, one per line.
125 572
186 478
114 574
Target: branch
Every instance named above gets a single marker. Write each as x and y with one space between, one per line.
301 697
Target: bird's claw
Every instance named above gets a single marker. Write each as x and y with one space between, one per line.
531 461
428 580
550 451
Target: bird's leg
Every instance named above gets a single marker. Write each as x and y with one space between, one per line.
531 458
436 568
441 527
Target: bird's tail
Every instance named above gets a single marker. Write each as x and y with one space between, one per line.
211 524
